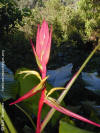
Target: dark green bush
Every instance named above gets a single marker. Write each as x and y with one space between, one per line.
10 15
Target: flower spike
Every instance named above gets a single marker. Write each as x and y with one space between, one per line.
43 45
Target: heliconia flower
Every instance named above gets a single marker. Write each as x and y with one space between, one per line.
43 45
42 53
51 102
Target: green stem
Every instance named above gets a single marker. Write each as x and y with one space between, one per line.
28 116
71 82
6 119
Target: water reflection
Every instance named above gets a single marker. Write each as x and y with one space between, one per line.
60 76
92 81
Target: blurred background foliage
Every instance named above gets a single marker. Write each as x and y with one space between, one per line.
75 23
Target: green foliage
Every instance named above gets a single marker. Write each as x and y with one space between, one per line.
71 26
26 84
57 32
10 15
75 38
64 19
68 128
89 10
58 15
28 3
30 105
69 20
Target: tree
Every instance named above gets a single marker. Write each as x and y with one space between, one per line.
10 15
90 12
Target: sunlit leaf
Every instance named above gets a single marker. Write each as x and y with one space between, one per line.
68 128
1 5
30 105
32 92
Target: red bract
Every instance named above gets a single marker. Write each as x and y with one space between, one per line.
43 45
42 53
32 92
41 102
56 106
27 95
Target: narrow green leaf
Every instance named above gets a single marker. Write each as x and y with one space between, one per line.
7 120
